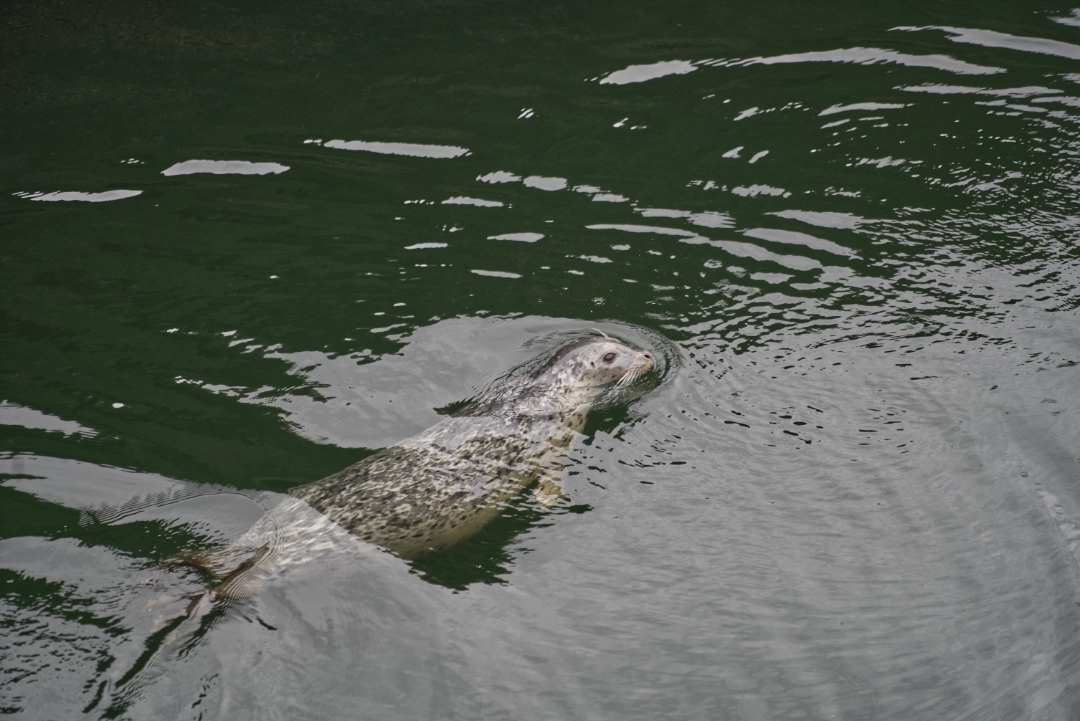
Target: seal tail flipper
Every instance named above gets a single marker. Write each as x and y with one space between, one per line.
174 635
243 582
237 586
215 573
177 617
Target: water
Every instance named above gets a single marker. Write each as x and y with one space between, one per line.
850 232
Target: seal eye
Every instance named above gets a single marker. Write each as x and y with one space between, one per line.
609 357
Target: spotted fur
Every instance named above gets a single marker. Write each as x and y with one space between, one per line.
443 485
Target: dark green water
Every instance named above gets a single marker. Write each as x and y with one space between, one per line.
851 230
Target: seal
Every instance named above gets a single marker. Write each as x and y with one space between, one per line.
442 486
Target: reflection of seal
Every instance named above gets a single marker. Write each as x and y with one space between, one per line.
443 485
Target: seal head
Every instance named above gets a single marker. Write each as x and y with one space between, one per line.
593 362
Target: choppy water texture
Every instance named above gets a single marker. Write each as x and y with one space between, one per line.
244 247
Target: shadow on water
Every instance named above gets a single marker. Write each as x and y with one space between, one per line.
488 556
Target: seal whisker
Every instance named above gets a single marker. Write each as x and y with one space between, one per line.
629 378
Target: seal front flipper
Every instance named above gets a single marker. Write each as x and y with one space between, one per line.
549 491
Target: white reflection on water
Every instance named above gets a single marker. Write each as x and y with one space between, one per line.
857 55
77 484
861 106
822 219
634 228
1074 20
496 273
224 167
539 181
499 176
748 250
706 219
641 73
12 414
865 56
992 39
78 196
520 237
1024 92
752 190
790 236
479 202
416 150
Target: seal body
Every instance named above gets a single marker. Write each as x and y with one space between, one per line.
439 487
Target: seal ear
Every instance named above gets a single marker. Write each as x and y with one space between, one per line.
603 333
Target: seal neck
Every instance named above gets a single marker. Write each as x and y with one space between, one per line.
553 396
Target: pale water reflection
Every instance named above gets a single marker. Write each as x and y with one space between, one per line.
224 167
79 196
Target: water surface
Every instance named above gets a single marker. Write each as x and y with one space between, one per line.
246 245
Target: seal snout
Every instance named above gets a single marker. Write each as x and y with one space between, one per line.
644 363
640 362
